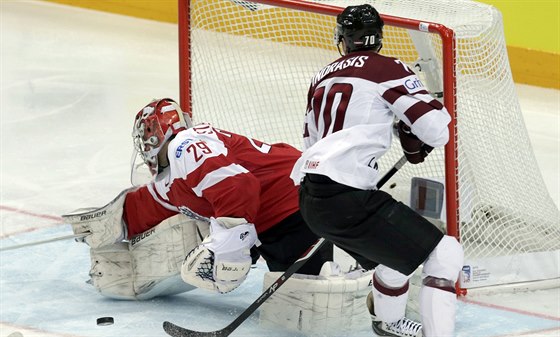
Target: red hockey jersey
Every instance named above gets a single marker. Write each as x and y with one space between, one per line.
216 173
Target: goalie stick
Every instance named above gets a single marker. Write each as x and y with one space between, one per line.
177 331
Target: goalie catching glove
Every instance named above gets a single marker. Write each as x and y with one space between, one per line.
414 149
223 260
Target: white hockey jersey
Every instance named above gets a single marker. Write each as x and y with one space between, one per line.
350 112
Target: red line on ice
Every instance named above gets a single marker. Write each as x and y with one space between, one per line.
519 311
58 219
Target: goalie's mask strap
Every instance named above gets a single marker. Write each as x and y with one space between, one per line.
161 167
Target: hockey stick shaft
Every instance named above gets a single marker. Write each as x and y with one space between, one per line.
400 163
35 243
177 331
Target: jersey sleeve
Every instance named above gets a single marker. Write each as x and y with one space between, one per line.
309 125
142 212
407 97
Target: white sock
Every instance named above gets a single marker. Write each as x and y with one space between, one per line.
437 309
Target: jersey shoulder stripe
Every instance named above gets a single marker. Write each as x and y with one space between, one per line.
216 176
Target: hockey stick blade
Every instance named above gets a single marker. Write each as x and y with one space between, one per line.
177 331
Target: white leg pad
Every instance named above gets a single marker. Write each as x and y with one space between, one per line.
390 294
321 304
150 264
111 271
438 300
437 309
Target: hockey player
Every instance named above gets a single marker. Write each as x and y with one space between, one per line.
201 175
348 127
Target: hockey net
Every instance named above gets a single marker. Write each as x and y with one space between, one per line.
245 66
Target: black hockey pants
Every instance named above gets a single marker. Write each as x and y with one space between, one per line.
286 242
369 225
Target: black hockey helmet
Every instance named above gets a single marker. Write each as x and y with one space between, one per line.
360 27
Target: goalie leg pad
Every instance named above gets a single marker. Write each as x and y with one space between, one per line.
112 272
323 304
149 265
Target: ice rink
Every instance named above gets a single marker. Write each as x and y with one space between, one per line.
71 82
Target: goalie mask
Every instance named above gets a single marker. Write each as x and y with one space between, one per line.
154 125
360 27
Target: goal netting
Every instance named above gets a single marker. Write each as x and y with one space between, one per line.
246 67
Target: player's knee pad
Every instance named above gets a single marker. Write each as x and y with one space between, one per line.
390 293
322 304
150 264
445 261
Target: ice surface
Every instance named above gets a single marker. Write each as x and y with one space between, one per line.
71 82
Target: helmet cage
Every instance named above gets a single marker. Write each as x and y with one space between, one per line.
153 127
360 27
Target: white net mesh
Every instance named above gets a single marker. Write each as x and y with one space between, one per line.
251 65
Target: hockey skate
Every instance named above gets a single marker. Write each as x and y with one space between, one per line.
402 328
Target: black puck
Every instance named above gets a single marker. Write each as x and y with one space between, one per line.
105 321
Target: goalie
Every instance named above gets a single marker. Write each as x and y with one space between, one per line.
215 197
